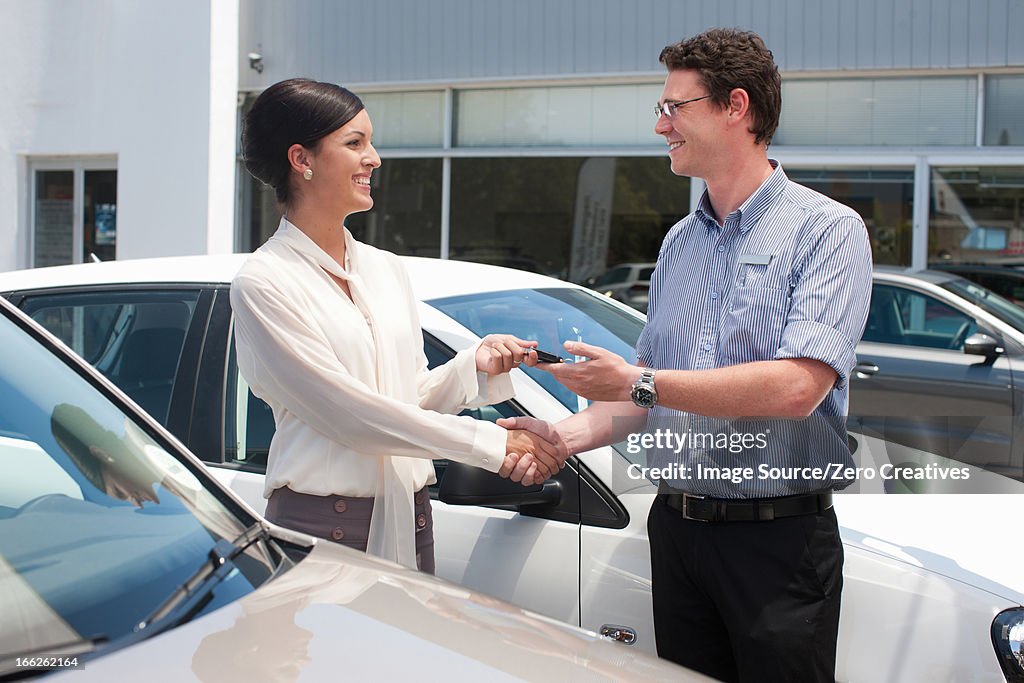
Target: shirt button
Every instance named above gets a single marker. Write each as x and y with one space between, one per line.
421 521
338 533
708 347
485 460
340 506
714 295
721 247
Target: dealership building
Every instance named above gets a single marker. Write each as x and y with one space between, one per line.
518 133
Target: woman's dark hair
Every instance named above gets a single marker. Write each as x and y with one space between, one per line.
728 59
296 111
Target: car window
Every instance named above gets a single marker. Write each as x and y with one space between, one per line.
134 338
612 276
99 522
906 317
1009 313
549 317
646 273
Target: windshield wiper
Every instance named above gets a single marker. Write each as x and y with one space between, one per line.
197 591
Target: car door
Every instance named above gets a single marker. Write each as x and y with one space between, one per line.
913 383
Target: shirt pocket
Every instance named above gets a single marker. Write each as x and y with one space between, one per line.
753 324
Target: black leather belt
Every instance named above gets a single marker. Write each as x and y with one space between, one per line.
703 509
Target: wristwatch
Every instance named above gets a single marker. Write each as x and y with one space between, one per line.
643 392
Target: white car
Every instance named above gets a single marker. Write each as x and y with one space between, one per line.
932 592
122 558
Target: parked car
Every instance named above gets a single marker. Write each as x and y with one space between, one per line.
1006 281
925 589
629 283
940 368
121 557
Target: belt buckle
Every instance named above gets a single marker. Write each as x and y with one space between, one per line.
686 514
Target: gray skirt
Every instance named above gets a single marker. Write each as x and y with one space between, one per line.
346 520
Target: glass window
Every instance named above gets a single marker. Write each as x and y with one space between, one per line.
570 217
405 218
74 215
902 316
100 523
549 317
1004 104
406 213
883 197
605 115
879 111
976 215
406 119
135 339
53 216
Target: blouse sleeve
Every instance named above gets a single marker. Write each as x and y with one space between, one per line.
281 356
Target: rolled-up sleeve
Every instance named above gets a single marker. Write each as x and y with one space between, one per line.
829 302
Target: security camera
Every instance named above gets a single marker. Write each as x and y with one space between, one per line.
256 62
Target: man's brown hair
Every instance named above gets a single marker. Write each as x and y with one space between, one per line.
730 58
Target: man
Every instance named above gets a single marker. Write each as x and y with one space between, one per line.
757 304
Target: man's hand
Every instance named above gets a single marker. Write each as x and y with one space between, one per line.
544 430
499 353
530 458
604 376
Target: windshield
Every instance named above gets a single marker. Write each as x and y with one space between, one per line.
550 317
99 523
1008 312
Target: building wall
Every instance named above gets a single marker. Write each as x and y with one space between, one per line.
412 40
152 84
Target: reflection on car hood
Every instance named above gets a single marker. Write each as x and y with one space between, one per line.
342 614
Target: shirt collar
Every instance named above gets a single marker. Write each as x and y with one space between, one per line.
299 241
756 204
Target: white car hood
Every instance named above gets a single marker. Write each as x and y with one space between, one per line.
343 615
967 537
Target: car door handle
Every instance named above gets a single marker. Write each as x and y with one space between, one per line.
865 370
620 634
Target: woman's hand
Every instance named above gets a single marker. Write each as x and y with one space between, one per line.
499 353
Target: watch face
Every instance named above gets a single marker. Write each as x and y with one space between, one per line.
642 397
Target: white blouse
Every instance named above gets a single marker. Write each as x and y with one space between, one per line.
357 411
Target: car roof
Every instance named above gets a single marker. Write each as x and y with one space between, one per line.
909 275
433 277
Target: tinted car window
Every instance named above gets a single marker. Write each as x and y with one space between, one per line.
902 316
549 317
133 338
99 522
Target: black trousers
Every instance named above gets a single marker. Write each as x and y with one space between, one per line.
747 601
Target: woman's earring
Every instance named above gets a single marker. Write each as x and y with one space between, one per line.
308 174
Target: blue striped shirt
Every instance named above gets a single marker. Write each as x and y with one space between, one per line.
787 276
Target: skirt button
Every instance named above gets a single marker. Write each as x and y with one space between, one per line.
340 506
338 533
421 520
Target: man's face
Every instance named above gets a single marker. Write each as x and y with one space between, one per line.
691 130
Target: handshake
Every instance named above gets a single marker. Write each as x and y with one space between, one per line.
533 450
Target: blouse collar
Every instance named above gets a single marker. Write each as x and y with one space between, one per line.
292 236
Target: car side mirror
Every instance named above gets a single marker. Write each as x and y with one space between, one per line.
467 485
979 344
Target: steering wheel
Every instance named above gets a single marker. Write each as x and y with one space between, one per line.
961 336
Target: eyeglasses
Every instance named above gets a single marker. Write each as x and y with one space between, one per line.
669 107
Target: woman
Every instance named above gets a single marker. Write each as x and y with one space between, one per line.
328 334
